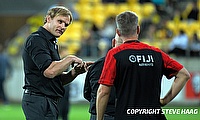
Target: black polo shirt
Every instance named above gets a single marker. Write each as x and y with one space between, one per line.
136 70
39 51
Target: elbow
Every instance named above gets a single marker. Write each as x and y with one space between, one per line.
103 90
103 93
187 76
49 74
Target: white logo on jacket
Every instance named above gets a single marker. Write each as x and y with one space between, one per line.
142 60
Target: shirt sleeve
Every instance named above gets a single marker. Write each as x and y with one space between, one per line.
171 66
39 52
86 88
109 70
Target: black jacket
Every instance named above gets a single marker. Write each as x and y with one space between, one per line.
91 87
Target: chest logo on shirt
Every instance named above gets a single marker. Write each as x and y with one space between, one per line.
142 60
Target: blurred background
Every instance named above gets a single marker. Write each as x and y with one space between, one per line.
171 25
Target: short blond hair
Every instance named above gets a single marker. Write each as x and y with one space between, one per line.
58 10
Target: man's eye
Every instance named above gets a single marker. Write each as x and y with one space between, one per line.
66 24
59 21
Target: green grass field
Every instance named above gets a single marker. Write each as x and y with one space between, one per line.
80 112
14 112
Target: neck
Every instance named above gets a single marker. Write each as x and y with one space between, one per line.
130 39
45 26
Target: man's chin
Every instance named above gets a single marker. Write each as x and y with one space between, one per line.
57 35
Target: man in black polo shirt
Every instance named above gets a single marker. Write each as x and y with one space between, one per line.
91 85
43 68
136 70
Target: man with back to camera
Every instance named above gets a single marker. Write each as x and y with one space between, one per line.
136 70
91 85
43 68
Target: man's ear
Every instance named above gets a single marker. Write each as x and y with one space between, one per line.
48 18
118 33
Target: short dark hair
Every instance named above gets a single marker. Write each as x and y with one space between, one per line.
127 23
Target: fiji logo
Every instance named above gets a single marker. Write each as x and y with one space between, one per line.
142 60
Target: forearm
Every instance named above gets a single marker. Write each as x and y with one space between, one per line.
175 89
74 72
179 82
58 67
101 103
